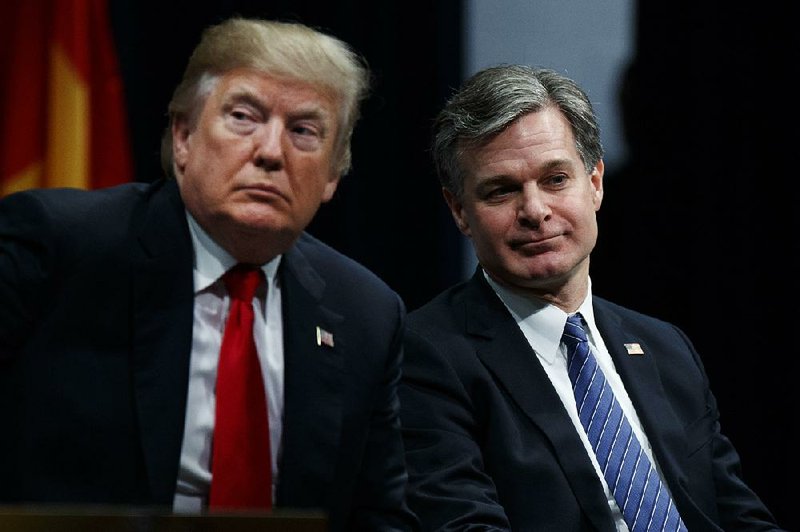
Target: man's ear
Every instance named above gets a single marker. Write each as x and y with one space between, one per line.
457 210
181 134
597 183
330 187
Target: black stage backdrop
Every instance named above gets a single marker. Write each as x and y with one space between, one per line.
700 228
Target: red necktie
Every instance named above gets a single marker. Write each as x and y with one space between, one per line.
241 463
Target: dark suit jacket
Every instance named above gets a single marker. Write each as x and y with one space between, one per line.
488 441
95 338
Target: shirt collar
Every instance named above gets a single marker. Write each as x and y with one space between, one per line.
211 260
542 323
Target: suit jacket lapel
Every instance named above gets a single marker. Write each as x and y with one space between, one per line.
643 383
646 391
504 350
313 386
162 334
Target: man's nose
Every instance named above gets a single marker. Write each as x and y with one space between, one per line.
533 208
268 146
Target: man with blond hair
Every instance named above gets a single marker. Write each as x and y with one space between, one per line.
125 377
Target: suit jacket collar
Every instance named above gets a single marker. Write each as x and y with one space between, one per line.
314 383
162 323
163 299
508 355
504 350
639 373
646 390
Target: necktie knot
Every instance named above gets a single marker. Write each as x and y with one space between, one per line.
574 332
242 281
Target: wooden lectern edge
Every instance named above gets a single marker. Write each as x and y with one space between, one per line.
96 518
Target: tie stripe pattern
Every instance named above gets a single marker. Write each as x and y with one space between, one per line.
644 500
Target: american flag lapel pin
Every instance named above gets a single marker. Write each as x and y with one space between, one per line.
324 337
634 349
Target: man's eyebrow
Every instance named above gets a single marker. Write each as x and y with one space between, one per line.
556 164
309 110
548 166
244 96
492 179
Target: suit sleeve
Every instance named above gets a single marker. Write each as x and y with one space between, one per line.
738 506
448 486
26 253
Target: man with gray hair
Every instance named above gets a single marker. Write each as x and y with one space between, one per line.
528 403
185 344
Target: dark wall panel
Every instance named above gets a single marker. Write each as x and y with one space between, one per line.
701 227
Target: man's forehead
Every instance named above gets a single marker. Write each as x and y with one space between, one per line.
251 84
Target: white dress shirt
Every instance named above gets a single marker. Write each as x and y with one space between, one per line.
211 303
543 325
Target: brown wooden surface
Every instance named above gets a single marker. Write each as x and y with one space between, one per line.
102 519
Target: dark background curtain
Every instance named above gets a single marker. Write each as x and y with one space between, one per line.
700 228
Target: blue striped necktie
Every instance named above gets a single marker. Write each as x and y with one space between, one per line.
637 487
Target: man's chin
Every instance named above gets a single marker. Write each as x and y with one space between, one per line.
259 218
539 275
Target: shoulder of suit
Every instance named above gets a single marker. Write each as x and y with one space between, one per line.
73 201
336 267
628 315
447 308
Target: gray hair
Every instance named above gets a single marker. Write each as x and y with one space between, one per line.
281 49
489 101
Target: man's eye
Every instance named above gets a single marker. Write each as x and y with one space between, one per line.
240 115
305 130
498 192
241 121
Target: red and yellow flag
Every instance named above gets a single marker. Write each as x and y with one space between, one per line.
62 109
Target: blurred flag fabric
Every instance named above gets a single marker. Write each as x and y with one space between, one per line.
62 110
